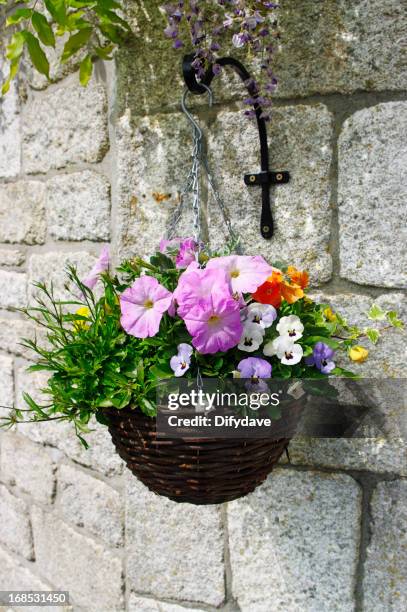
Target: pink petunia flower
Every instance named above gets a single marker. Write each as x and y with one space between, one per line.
215 324
100 266
195 286
167 246
143 305
187 253
246 273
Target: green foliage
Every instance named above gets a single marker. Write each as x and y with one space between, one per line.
393 319
373 335
94 365
90 26
376 313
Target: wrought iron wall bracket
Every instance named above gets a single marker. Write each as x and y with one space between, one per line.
265 178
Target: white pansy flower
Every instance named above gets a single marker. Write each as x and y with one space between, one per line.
286 350
262 314
271 348
290 326
252 337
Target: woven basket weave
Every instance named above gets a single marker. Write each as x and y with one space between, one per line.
209 471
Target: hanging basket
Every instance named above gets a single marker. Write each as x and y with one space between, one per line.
202 471
197 471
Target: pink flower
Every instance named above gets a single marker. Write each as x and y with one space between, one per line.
195 286
214 324
246 273
100 266
167 246
187 253
143 305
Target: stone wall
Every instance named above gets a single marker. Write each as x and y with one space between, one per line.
79 168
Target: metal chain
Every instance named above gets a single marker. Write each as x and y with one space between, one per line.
196 191
192 185
222 207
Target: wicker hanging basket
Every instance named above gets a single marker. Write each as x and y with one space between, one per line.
197 471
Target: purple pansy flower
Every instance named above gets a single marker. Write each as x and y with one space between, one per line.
180 363
321 358
214 323
255 369
100 266
143 305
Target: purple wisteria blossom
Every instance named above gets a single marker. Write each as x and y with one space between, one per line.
212 26
321 358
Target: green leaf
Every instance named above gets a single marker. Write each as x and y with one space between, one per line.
43 29
161 372
373 335
393 319
16 45
75 21
111 17
14 65
108 4
37 55
82 441
376 313
147 407
329 341
79 4
75 43
121 399
57 9
85 70
104 52
280 265
344 373
18 15
112 32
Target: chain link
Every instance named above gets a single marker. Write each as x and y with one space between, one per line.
192 187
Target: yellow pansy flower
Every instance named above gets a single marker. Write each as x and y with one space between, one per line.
358 354
83 311
330 315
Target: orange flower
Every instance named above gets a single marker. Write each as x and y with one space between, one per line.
291 293
298 278
277 287
270 291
